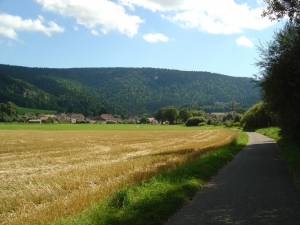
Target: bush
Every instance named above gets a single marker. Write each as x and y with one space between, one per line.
258 116
216 123
228 123
195 121
236 124
144 120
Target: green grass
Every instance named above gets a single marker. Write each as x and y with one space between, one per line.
290 149
100 127
22 111
155 200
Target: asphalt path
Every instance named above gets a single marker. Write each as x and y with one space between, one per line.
256 187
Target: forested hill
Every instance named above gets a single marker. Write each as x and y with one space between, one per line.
123 90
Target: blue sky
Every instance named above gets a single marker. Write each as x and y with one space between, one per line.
217 36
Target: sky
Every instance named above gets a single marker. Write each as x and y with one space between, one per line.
218 36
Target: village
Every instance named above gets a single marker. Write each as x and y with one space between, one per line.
31 117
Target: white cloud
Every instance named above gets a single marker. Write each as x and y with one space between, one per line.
153 5
153 38
96 13
260 2
244 41
213 16
10 25
94 32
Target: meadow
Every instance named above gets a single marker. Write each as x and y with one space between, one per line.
50 172
22 111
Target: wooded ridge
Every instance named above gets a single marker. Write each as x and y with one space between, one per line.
123 91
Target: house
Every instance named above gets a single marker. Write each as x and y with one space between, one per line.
215 116
89 118
43 117
221 117
118 120
29 114
97 119
20 117
75 117
60 116
108 117
153 120
210 116
133 119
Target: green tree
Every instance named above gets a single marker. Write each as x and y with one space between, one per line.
160 115
197 113
144 120
170 114
8 112
258 116
278 9
184 114
279 77
49 120
238 118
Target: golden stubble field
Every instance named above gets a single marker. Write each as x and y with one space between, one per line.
48 175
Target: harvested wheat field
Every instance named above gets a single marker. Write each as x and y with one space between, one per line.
48 175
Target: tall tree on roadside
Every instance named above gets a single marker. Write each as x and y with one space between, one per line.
258 116
279 77
278 9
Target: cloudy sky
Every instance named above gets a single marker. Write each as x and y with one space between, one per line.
218 36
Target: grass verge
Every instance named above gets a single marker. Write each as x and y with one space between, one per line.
102 127
155 200
290 149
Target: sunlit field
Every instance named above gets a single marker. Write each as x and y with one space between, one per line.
48 175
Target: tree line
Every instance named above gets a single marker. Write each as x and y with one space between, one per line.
279 76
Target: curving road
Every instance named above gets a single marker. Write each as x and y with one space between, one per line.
255 188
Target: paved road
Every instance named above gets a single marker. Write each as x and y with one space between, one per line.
255 188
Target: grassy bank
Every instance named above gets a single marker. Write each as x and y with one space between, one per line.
155 200
290 149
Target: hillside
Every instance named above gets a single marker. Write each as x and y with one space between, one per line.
123 90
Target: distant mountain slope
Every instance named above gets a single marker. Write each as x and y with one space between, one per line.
138 90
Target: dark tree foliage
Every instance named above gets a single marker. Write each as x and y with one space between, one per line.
279 77
8 112
258 116
159 115
195 121
170 114
144 120
278 9
184 114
